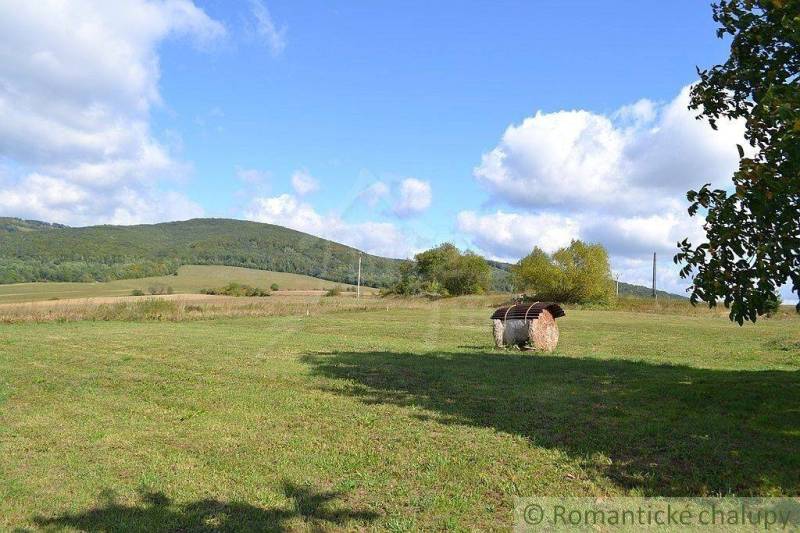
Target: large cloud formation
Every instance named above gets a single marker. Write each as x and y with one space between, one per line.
77 82
617 179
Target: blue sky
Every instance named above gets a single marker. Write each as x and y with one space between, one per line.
392 127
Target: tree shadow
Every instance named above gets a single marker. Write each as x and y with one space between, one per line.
664 430
158 513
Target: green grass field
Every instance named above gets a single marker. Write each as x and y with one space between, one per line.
402 419
190 279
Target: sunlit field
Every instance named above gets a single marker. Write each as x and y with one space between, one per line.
394 414
190 279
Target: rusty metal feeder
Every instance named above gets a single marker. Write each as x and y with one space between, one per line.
527 325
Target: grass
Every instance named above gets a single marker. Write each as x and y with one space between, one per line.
190 279
400 419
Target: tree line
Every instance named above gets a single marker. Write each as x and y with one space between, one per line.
578 273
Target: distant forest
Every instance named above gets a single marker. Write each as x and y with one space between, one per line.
37 251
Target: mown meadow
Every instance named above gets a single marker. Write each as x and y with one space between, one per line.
394 416
188 279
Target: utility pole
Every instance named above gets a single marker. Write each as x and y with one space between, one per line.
358 287
616 277
654 275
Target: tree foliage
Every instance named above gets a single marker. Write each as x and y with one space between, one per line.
753 231
445 270
579 273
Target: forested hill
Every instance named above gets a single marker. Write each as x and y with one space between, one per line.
37 251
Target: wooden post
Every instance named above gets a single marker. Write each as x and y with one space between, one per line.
358 287
654 275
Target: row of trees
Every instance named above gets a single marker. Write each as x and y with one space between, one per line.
20 271
579 273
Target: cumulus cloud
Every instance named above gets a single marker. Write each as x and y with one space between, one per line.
77 82
509 236
414 197
273 37
380 238
304 183
638 159
617 179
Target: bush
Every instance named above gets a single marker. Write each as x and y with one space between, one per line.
237 289
137 292
773 305
335 291
160 288
273 287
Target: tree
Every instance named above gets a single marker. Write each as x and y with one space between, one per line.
433 264
467 274
579 273
752 232
445 270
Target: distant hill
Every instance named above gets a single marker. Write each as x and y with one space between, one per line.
37 251
627 289
8 224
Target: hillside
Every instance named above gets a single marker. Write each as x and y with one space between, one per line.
31 251
638 291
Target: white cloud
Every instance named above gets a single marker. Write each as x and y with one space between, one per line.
554 159
77 82
304 183
635 236
43 197
509 236
380 238
414 197
637 160
274 37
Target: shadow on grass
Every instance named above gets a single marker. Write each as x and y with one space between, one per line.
158 513
667 430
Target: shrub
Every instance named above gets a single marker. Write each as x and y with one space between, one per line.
236 289
335 291
273 287
160 288
137 292
773 305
